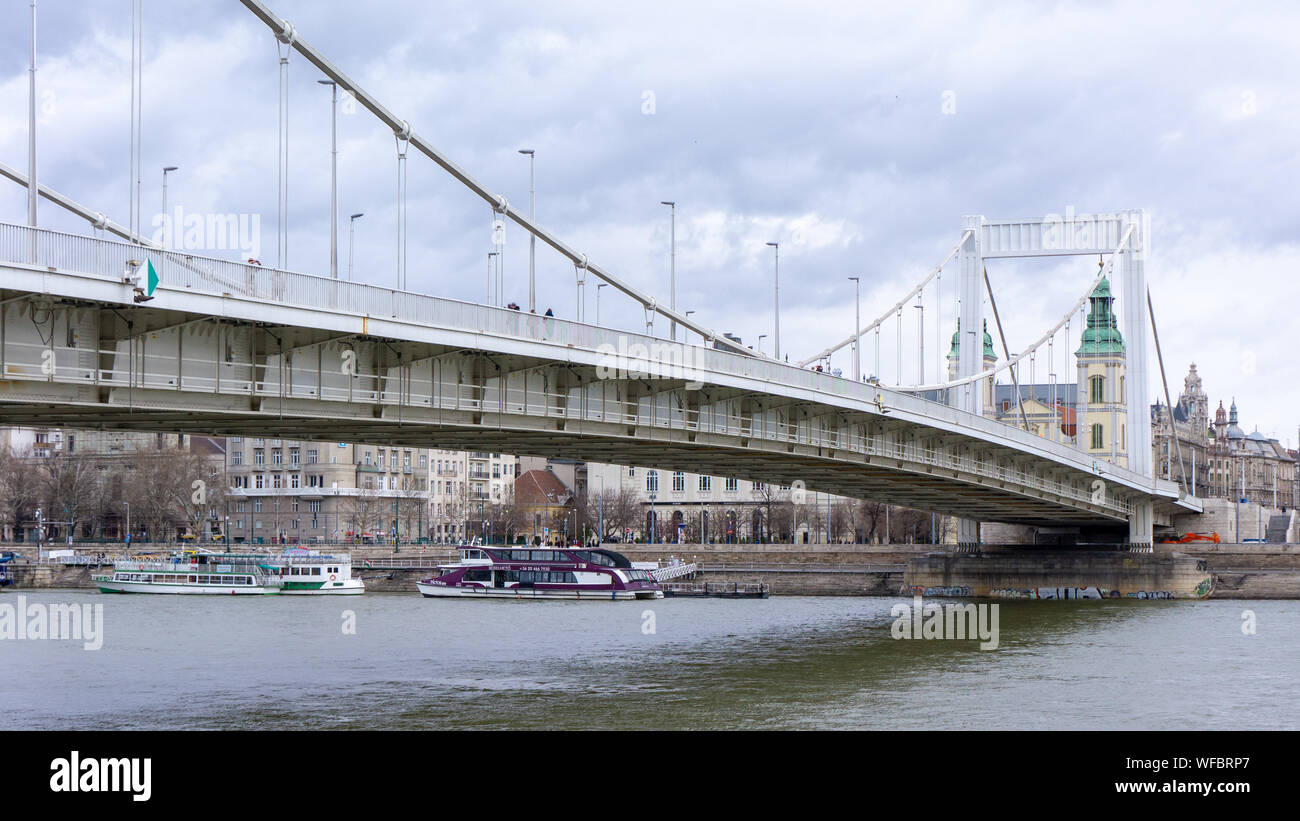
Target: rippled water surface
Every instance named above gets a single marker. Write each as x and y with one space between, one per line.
786 662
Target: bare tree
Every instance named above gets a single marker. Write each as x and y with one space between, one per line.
768 499
363 511
840 522
622 512
68 489
871 515
171 489
19 490
507 517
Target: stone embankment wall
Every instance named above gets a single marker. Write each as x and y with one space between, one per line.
1250 571
1226 517
1240 571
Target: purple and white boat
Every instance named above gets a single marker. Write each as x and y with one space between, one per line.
520 572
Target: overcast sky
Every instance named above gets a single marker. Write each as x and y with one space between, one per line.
856 135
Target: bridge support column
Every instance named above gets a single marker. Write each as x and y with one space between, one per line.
1141 534
1136 335
970 351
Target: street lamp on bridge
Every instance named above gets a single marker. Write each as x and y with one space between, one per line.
532 217
334 177
857 328
166 220
776 297
672 261
352 231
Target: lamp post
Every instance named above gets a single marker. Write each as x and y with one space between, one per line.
857 328
532 240
167 222
776 296
652 517
491 270
672 262
598 287
334 177
352 231
32 189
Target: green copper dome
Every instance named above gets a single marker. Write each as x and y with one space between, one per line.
988 342
1102 335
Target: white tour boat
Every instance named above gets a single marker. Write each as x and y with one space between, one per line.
293 573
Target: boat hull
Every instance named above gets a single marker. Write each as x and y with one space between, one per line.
442 591
109 586
347 587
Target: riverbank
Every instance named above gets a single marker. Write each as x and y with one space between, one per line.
1239 571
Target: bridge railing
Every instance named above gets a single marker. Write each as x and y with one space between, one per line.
173 369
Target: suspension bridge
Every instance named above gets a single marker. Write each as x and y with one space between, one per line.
112 330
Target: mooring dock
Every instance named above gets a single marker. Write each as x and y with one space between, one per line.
717 590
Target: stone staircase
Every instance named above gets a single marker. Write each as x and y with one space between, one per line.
1277 529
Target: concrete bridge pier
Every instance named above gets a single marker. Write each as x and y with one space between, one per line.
1141 536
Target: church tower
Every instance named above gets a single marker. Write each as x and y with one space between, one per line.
990 359
1195 403
1102 403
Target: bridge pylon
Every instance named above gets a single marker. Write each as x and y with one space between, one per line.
1123 234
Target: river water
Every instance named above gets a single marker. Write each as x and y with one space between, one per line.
191 662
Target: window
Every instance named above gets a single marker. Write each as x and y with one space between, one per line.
277 457
1096 437
652 481
1096 389
706 484
313 456
732 485
237 457
679 481
259 456
293 456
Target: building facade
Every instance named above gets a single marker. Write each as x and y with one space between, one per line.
285 491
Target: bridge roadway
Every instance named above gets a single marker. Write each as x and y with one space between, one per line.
230 349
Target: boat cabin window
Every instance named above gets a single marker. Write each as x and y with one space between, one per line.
477 575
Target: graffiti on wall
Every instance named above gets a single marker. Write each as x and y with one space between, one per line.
941 591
